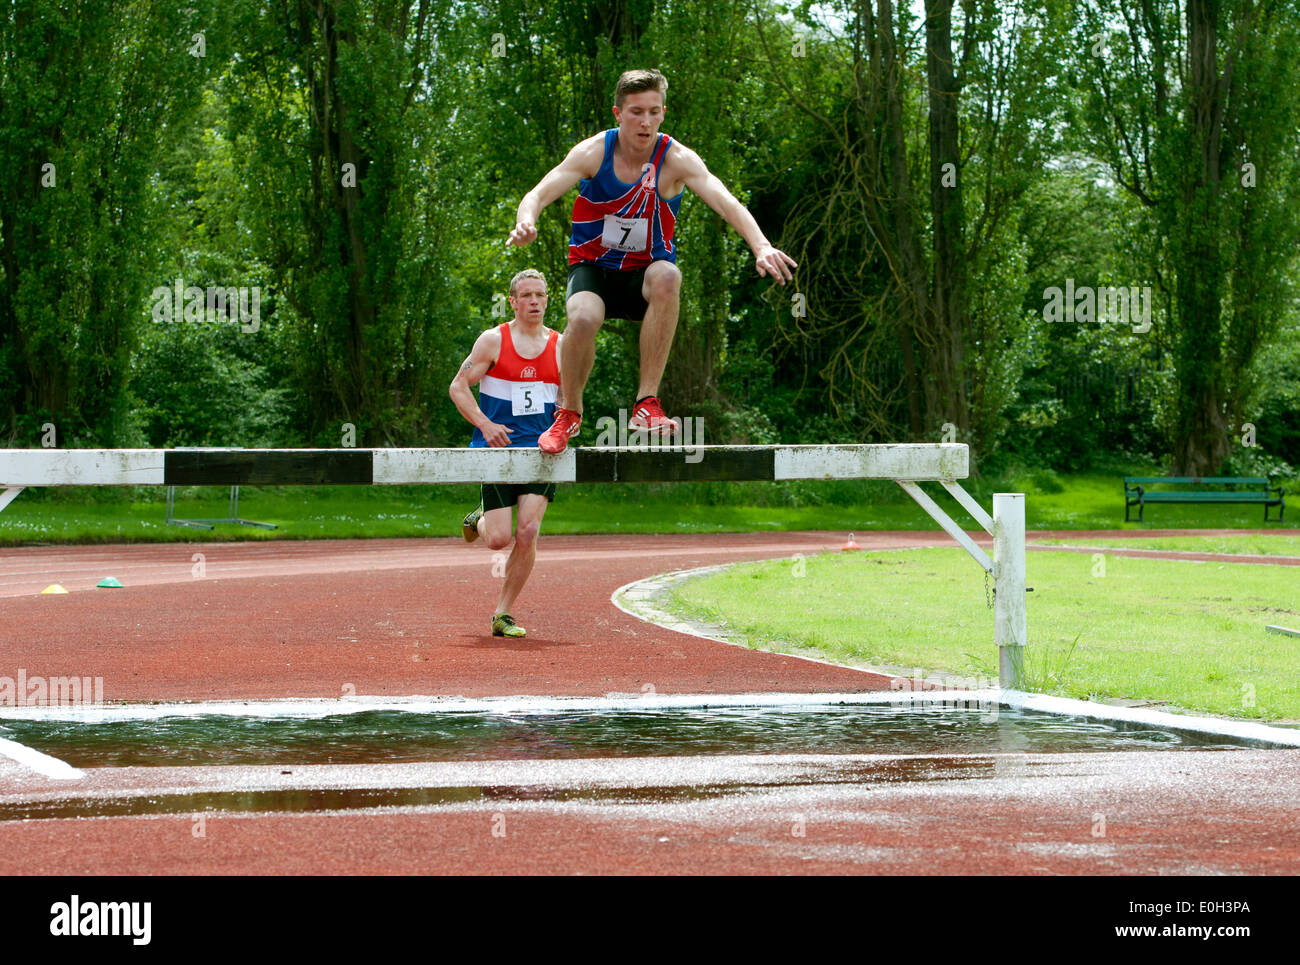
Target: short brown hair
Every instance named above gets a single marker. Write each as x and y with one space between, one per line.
635 81
526 273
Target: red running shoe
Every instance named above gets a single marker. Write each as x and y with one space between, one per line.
648 416
567 424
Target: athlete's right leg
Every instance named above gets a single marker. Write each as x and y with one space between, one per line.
585 313
532 507
494 526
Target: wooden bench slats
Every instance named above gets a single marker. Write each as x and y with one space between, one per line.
1137 494
1160 497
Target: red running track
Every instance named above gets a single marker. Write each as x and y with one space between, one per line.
397 617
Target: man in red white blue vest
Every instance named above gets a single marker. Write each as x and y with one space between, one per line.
516 366
622 258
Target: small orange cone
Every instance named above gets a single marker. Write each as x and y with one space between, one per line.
851 544
54 588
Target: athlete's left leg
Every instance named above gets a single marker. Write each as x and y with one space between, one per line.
528 524
661 289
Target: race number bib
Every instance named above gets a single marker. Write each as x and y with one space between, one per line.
526 398
625 234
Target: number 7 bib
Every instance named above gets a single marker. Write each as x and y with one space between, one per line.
625 234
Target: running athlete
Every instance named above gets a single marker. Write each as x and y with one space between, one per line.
622 258
518 365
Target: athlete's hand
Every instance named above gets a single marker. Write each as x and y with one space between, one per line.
524 233
497 436
774 263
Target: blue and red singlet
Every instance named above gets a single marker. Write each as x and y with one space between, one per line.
519 393
624 226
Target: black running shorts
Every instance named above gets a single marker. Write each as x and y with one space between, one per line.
500 495
620 290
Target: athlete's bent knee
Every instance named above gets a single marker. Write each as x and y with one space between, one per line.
662 280
583 324
526 535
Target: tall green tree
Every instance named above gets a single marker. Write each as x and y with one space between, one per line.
1195 105
90 95
338 111
921 153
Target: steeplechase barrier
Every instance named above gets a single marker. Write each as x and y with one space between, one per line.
907 464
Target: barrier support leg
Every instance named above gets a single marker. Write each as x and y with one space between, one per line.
1010 630
8 496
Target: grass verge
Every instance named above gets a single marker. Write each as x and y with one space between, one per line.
102 515
1249 545
1190 634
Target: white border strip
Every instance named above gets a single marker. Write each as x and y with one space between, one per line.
40 763
483 465
519 705
1218 726
913 460
81 467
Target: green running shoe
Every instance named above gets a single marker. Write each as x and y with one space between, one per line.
469 526
503 625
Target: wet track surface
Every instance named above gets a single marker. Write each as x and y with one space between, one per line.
751 792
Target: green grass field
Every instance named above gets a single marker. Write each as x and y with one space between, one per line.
86 515
1248 545
1191 634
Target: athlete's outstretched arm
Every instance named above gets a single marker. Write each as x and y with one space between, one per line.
583 161
770 260
484 354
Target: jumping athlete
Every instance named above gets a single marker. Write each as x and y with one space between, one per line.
518 364
622 258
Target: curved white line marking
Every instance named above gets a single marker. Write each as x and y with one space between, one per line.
38 762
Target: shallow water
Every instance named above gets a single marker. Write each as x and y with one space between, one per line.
395 736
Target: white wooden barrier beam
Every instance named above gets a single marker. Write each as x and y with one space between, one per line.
289 467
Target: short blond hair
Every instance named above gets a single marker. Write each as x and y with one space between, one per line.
526 273
636 81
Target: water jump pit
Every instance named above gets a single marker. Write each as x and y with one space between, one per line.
863 739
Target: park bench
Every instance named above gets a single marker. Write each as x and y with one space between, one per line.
1195 489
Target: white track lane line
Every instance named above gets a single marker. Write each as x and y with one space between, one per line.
40 763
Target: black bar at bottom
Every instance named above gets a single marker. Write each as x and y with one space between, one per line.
251 467
705 463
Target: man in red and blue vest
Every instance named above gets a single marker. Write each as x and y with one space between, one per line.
622 258
516 366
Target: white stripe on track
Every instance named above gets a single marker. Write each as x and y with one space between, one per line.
40 763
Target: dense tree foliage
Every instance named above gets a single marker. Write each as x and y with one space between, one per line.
256 223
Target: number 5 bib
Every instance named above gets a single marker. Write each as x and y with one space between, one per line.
527 398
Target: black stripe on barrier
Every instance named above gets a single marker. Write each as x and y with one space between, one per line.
251 467
711 463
